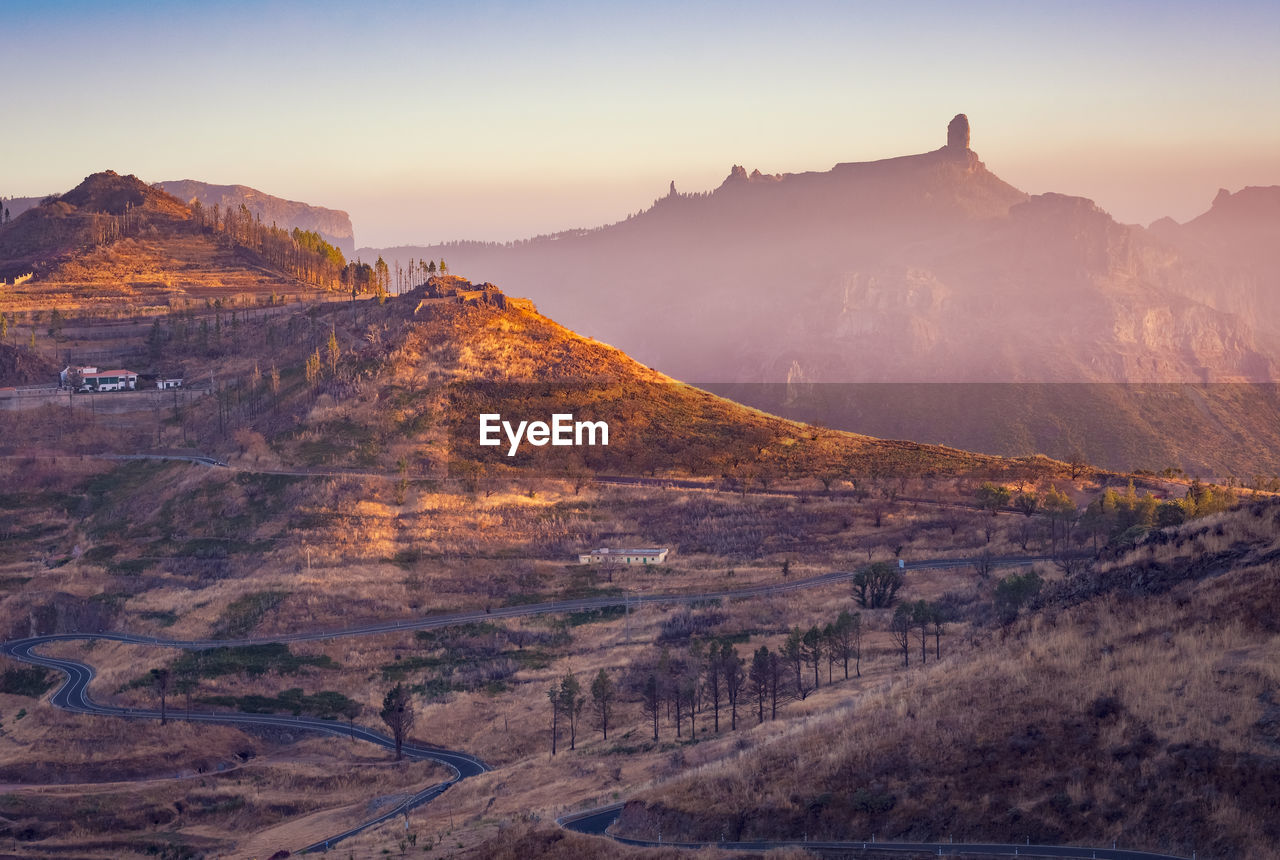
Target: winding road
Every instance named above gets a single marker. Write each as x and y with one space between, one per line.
73 696
596 822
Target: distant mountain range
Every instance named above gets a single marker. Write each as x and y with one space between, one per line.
924 268
800 293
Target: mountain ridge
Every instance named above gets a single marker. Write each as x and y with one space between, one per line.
333 225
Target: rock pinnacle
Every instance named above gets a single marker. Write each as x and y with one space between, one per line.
958 132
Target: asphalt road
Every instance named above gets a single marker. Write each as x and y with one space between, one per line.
596 822
431 622
73 696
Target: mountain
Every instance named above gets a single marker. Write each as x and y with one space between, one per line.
333 225
115 245
1231 255
451 351
101 208
926 268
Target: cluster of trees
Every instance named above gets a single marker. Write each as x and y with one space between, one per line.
1125 516
316 364
568 702
417 273
711 681
923 619
304 254
1114 517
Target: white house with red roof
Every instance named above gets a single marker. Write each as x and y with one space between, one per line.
92 379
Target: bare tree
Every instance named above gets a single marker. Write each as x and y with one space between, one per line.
651 700
776 684
841 646
1077 463
793 652
922 615
715 683
811 646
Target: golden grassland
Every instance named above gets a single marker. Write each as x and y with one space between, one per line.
1147 719
350 564
146 276
93 787
339 570
168 548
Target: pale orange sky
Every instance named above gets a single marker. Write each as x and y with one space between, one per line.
497 120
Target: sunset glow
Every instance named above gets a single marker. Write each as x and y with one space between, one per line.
430 122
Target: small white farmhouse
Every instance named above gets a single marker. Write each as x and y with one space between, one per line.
645 555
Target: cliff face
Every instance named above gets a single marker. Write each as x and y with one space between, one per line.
923 268
333 225
1229 257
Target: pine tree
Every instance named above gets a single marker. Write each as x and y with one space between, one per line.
603 692
334 352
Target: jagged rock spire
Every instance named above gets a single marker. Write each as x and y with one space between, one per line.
958 132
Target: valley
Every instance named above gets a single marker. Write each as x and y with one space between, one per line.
251 579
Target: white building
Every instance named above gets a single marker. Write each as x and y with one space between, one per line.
644 555
110 380
92 379
169 382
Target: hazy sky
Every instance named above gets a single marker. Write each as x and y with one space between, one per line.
436 121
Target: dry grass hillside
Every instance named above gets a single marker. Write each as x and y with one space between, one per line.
414 377
21 366
1137 704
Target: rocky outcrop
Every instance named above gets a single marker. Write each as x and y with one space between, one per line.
958 132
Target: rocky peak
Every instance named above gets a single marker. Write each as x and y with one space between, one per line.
110 193
958 132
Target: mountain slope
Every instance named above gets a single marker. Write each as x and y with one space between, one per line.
1132 694
433 365
103 207
333 225
1231 255
115 245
